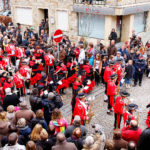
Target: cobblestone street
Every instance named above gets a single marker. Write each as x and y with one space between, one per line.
138 95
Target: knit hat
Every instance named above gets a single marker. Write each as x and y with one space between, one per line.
21 123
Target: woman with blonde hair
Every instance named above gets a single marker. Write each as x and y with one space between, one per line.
58 121
35 135
44 142
11 113
4 124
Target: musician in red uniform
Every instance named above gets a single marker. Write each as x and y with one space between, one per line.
111 91
61 71
18 79
108 72
77 83
1 54
118 70
148 117
20 52
25 71
6 61
8 83
81 109
119 108
11 51
49 60
128 114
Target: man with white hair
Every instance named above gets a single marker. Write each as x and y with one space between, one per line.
10 99
76 124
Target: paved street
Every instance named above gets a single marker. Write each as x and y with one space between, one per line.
139 96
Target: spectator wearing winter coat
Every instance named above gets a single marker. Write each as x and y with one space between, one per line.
140 66
11 113
10 99
62 144
35 100
4 124
132 132
24 129
75 138
12 143
39 119
24 112
91 143
44 142
112 50
76 124
128 73
123 51
58 121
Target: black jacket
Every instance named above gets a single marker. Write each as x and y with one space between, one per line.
10 100
129 71
46 145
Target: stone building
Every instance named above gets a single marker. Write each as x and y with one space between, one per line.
91 21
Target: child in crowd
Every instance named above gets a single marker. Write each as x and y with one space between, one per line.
128 73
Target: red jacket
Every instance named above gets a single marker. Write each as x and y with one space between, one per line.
129 134
49 60
80 111
148 119
76 85
119 105
118 70
111 88
25 71
11 50
18 80
20 52
76 51
1 53
126 115
87 68
8 85
107 73
6 61
61 69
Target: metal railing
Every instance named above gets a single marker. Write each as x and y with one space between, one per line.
93 2
111 2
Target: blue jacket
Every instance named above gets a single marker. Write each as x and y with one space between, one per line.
123 52
140 64
26 131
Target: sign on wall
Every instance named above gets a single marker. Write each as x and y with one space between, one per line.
24 15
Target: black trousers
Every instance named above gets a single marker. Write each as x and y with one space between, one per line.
117 122
27 84
13 60
20 92
138 77
97 77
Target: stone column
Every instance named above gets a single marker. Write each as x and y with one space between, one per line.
127 27
148 22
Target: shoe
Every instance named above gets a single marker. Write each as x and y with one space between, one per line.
108 112
134 85
140 84
106 100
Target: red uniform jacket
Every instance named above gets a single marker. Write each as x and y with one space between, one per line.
6 61
49 60
148 119
76 85
126 115
130 134
87 69
111 88
11 50
18 80
20 52
76 51
1 53
69 64
118 70
119 105
25 71
107 73
61 69
8 85
80 111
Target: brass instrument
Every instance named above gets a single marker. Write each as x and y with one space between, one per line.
90 114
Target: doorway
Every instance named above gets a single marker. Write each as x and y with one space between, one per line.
119 28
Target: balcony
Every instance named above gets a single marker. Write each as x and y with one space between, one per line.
112 3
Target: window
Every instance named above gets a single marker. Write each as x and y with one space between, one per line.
24 15
62 20
91 25
139 22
